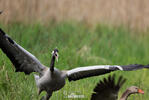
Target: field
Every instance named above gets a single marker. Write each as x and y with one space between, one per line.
133 14
79 45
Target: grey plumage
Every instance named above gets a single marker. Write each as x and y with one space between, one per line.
21 59
51 79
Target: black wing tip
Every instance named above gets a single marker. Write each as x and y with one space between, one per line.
110 82
134 67
107 84
2 32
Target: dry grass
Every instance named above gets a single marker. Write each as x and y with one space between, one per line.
133 13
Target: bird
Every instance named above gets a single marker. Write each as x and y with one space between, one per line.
51 79
107 89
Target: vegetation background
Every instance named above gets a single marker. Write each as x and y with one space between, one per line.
86 33
134 14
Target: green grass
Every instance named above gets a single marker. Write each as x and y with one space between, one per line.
79 45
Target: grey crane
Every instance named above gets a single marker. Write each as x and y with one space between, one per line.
107 89
52 79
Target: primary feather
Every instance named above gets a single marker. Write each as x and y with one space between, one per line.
107 89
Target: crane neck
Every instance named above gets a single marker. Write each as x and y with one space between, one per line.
52 64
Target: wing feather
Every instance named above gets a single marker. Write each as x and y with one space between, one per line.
108 89
89 71
21 59
84 72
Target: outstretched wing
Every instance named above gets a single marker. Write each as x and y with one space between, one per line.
107 89
89 71
21 59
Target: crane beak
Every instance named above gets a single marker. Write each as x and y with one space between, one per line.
140 91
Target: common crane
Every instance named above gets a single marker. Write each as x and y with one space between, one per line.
52 79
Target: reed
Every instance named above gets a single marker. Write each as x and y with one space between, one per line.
133 14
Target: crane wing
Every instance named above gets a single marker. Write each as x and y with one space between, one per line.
21 59
89 71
